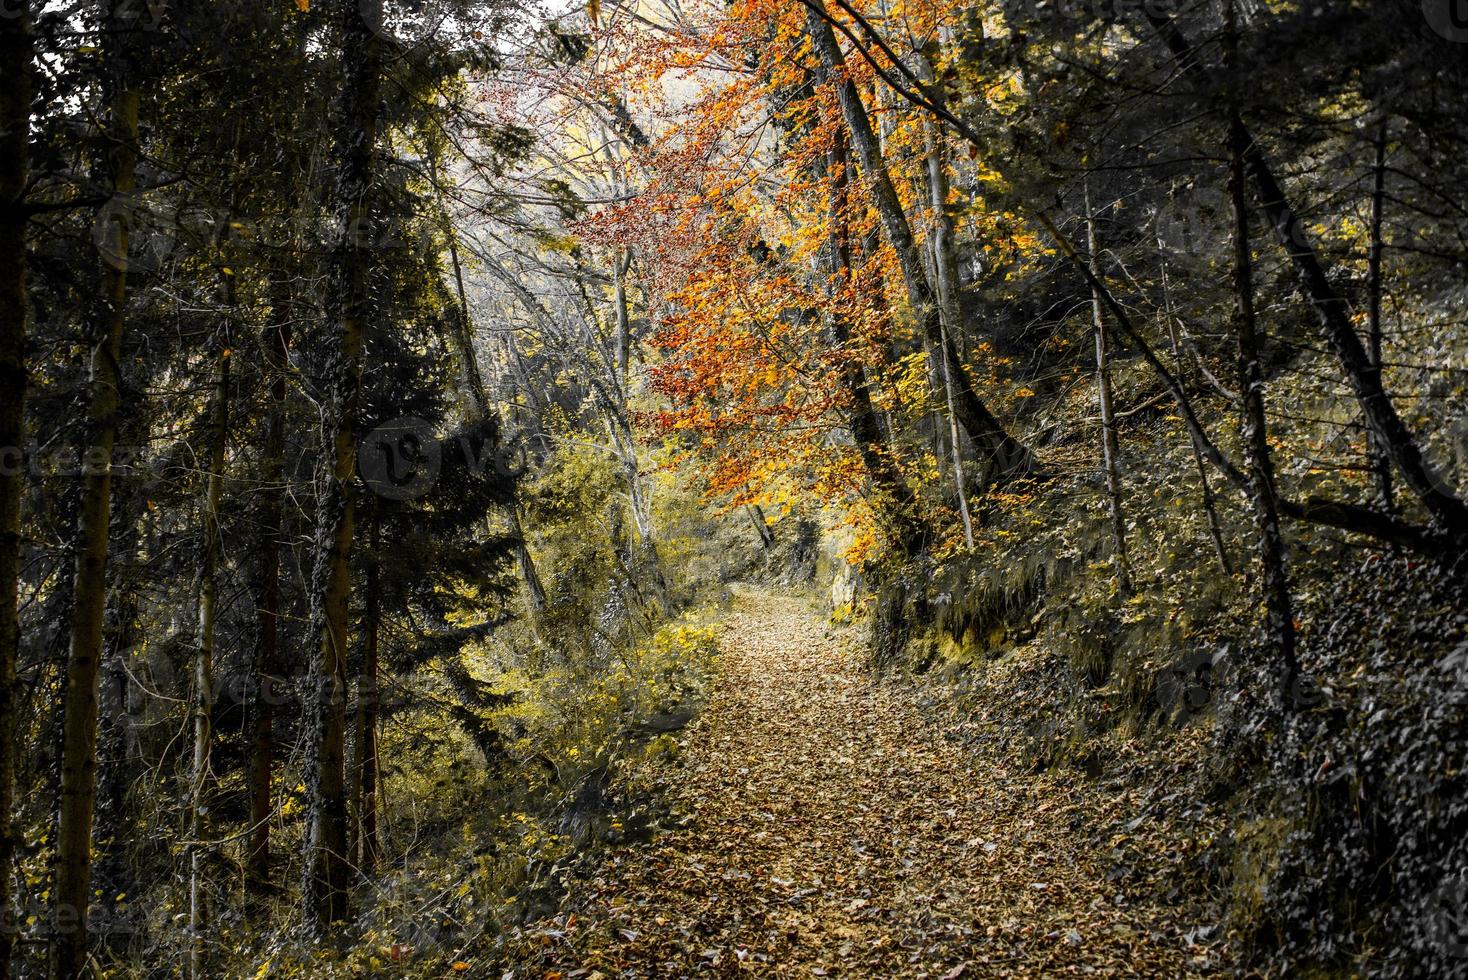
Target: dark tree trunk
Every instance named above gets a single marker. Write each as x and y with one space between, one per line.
16 51
327 869
761 526
621 262
861 415
203 693
79 726
264 681
1381 463
116 737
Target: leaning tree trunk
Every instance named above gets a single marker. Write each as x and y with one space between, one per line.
1210 505
89 589
204 664
16 50
327 869
761 526
1381 463
1006 457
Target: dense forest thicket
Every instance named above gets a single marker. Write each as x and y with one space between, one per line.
391 392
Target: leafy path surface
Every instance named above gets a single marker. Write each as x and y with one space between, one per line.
837 833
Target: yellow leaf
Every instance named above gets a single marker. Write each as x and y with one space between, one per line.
303 5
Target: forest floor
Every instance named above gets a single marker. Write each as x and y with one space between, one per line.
836 831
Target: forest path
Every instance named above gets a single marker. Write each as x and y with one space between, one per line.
837 833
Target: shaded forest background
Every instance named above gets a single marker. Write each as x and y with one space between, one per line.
391 393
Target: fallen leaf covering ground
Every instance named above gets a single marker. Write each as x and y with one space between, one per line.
836 831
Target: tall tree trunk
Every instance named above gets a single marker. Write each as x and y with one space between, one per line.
621 264
1448 511
1259 464
116 749
945 276
368 706
955 441
1109 448
534 590
264 682
16 50
1004 456
1381 463
89 589
327 870
203 694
